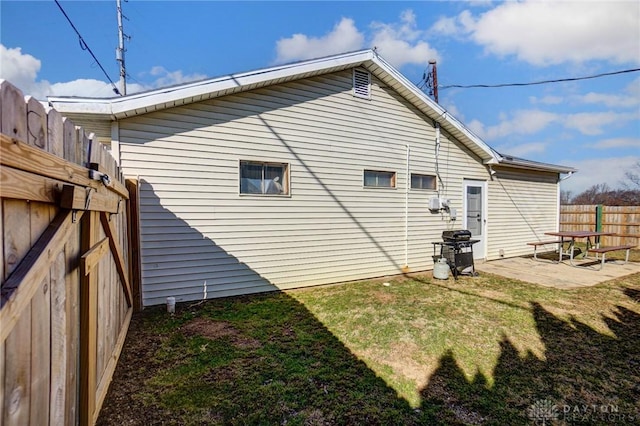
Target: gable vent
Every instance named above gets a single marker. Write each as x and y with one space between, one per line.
361 84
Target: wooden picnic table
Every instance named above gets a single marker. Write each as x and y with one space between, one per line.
571 237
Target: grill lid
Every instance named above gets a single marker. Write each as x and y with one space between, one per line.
457 235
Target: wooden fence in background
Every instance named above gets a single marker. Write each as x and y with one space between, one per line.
66 288
623 220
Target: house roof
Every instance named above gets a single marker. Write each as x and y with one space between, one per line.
116 108
522 163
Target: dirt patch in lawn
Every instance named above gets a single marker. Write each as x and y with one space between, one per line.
384 297
127 401
219 329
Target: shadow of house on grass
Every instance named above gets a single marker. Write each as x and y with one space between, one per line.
587 378
265 359
260 359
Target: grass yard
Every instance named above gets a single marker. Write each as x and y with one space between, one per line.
418 351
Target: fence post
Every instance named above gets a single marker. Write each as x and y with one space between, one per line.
599 218
88 323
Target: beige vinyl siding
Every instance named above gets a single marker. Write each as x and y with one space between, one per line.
101 128
198 232
523 206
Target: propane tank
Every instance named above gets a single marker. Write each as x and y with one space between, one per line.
441 269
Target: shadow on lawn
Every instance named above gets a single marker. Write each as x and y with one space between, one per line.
586 378
264 359
249 360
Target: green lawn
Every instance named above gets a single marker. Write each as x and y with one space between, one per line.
483 350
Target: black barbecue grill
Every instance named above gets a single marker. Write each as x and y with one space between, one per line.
457 248
455 236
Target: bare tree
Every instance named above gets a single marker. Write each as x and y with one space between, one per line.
602 194
632 177
593 195
565 197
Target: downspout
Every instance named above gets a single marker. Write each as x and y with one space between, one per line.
558 207
560 179
406 211
115 141
438 159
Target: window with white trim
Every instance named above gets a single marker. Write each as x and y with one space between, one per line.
361 83
379 179
419 181
264 178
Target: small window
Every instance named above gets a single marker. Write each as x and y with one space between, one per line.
379 179
361 84
422 181
264 178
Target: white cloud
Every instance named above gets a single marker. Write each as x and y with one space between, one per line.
164 78
446 26
609 100
477 127
551 32
633 89
594 171
528 122
616 143
521 122
343 37
80 87
546 100
457 26
452 109
400 42
595 123
630 97
522 150
17 67
21 70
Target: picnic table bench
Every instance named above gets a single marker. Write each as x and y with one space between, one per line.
535 245
571 236
605 250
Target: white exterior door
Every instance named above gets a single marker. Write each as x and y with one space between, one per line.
475 213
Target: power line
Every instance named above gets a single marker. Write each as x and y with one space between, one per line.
84 46
473 86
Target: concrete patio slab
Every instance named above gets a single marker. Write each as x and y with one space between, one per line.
558 275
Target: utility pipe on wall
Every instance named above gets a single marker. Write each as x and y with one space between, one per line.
441 186
406 209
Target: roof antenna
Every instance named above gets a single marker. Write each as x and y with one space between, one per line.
120 50
432 79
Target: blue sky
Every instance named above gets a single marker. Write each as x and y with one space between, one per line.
593 125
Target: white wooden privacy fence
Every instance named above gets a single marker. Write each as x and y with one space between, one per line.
66 288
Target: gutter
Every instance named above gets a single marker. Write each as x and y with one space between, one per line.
520 163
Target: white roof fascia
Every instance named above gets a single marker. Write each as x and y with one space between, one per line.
81 105
490 155
175 94
521 163
129 105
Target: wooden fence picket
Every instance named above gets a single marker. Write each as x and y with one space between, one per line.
62 330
